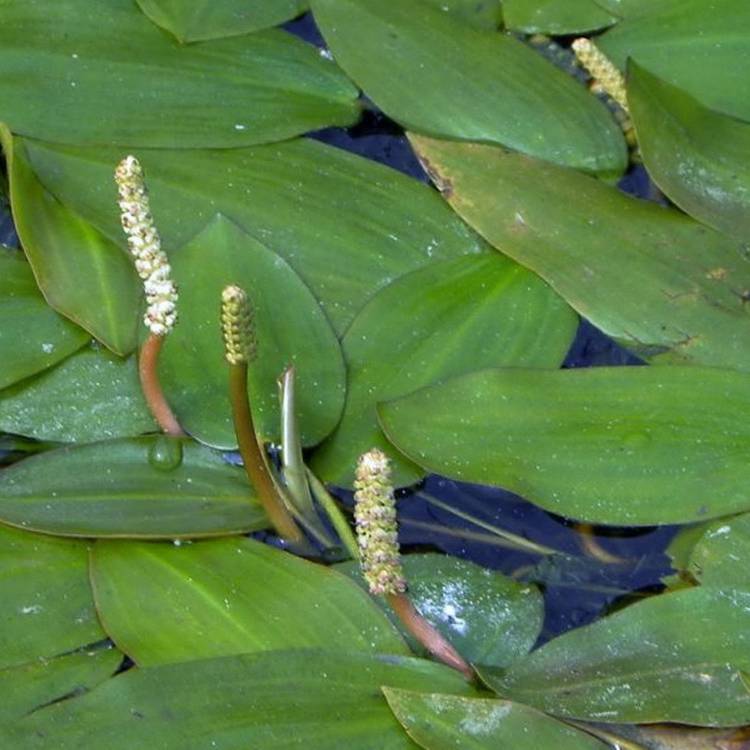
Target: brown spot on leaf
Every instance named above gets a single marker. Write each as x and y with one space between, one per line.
442 183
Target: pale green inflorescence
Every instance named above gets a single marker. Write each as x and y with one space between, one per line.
377 530
144 243
238 326
605 74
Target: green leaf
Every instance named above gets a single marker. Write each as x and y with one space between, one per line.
721 555
701 47
47 604
346 225
673 657
667 287
40 682
83 275
630 8
161 603
291 330
440 76
196 20
629 446
445 722
32 335
555 16
92 395
698 157
489 618
111 76
315 699
484 14
443 320
152 487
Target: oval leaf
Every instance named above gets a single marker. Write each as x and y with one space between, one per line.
346 225
47 604
154 487
440 76
444 320
698 157
291 330
628 446
86 87
164 603
92 395
445 722
669 288
721 555
32 335
484 14
674 657
318 699
555 16
195 20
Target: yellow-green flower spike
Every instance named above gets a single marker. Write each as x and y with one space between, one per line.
238 326
377 530
605 74
144 242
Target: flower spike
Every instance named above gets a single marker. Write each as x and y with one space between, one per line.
238 326
605 74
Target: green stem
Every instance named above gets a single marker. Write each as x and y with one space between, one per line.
335 515
252 457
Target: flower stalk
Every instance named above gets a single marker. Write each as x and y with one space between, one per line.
239 349
380 560
153 267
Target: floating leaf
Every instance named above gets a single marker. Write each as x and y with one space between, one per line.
47 604
666 286
196 20
111 76
83 275
698 157
555 16
346 225
673 657
32 335
316 699
445 722
92 395
721 555
628 446
161 603
439 76
489 618
630 8
291 330
443 320
153 487
40 682
484 14
701 47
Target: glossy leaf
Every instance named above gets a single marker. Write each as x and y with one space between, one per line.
346 225
439 76
33 337
47 604
628 446
673 657
83 275
650 277
196 20
631 8
40 682
317 699
555 16
489 618
701 47
698 157
484 14
161 603
444 320
111 76
92 395
154 487
445 722
291 329
720 557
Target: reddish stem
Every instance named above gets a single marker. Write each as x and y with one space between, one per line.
151 387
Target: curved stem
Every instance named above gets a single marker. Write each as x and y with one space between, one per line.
147 371
428 635
255 465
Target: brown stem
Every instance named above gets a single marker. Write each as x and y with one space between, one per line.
427 635
252 457
151 387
